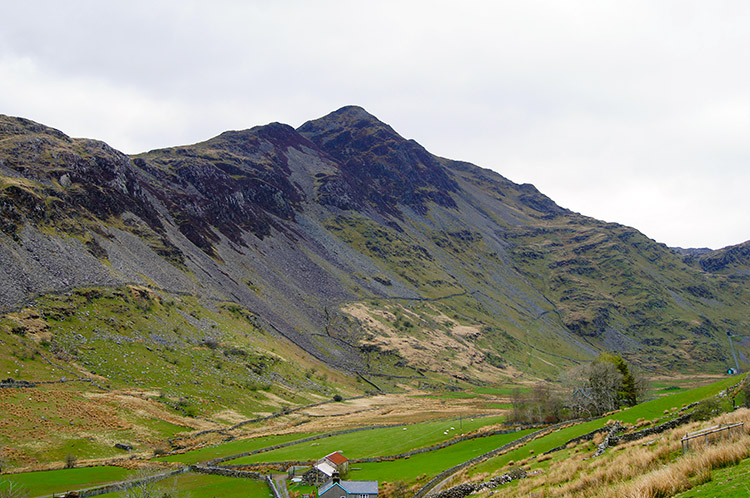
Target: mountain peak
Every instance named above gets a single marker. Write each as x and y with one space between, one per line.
352 120
349 114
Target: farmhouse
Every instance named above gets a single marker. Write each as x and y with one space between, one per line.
324 469
336 488
335 460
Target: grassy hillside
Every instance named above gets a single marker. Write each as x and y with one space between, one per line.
623 469
139 367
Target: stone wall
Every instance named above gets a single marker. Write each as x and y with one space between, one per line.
585 437
465 489
443 445
682 419
172 441
226 472
428 449
272 486
518 442
125 485
292 443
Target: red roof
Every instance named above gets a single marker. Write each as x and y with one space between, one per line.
337 458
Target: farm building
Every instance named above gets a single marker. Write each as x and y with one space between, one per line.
336 488
337 461
324 469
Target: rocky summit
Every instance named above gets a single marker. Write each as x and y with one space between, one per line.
356 245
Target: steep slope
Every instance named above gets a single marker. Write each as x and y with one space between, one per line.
733 261
361 247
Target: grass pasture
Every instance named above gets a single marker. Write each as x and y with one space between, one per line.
376 442
649 410
207 486
635 469
432 463
60 481
232 448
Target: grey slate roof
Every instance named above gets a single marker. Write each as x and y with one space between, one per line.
353 487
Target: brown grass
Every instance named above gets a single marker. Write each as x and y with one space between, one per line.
637 471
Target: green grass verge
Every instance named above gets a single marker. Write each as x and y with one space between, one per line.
729 482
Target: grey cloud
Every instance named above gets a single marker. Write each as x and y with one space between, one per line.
599 103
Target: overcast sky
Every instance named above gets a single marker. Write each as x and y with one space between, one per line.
635 112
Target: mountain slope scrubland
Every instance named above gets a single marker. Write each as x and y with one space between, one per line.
194 287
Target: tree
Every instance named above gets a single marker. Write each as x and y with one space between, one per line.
517 406
605 381
628 392
594 388
145 485
10 489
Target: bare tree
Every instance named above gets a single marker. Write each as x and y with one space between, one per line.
10 489
593 388
145 485
642 383
605 381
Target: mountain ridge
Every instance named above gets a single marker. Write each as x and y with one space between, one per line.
295 224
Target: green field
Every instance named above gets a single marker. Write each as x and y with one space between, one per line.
648 410
434 462
207 486
537 446
60 481
236 447
500 391
655 408
376 442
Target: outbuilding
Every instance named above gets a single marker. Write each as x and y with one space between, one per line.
336 488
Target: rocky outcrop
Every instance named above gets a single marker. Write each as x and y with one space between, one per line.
291 223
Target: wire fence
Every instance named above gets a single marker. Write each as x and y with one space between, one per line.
711 435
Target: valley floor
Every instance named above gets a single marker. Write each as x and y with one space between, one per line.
416 440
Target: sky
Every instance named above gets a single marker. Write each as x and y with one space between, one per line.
633 112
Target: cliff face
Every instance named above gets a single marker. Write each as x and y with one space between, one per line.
339 234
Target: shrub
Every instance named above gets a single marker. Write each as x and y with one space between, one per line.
707 409
18 330
211 343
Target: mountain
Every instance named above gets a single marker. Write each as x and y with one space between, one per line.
360 247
